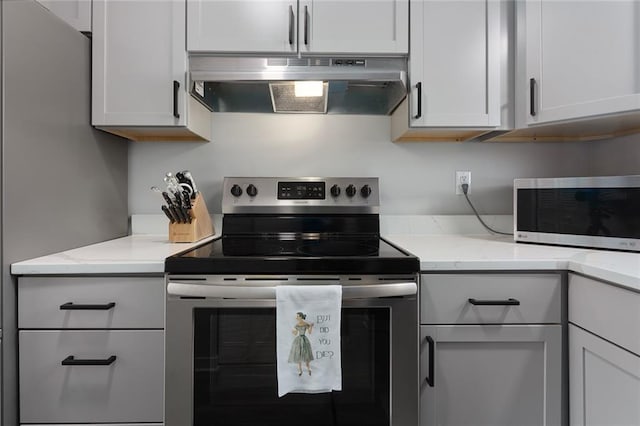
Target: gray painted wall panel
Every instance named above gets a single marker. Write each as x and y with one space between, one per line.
619 156
64 183
415 178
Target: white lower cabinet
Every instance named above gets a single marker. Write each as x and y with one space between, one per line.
491 375
91 350
604 381
491 350
604 353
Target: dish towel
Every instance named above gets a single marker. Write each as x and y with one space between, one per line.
308 338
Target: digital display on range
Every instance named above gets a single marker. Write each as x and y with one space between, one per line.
301 190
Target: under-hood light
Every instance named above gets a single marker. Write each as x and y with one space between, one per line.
308 89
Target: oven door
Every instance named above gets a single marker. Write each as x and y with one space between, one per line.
221 356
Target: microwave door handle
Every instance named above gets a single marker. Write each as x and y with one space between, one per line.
269 292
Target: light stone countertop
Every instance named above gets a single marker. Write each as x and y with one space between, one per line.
134 254
434 239
485 252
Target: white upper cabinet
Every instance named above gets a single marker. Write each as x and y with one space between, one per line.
362 26
579 59
76 13
267 26
139 76
455 63
136 51
290 27
458 71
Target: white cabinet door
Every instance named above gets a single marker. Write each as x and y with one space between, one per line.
267 26
309 26
358 27
76 13
139 63
455 63
604 382
491 375
582 59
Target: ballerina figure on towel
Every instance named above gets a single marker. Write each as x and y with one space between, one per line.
301 346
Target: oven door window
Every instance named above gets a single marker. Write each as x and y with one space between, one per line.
235 380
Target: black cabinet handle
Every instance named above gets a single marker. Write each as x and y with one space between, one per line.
430 379
176 89
532 97
291 25
70 306
306 25
71 360
419 87
508 302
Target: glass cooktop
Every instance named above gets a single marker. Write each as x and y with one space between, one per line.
251 254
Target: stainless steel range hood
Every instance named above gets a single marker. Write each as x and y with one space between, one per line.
354 85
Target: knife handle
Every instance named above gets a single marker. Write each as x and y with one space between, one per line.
187 174
167 198
177 212
186 200
177 199
167 212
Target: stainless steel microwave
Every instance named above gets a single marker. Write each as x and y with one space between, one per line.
598 212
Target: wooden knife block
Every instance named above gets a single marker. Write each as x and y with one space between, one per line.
199 228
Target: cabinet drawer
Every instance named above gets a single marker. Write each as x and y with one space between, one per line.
113 302
450 298
611 312
129 389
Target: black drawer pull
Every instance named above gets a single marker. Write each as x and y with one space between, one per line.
70 306
70 360
306 25
508 302
419 113
430 379
176 92
532 97
291 25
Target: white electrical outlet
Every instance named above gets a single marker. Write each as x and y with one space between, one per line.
463 177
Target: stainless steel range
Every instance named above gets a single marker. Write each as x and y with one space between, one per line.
220 314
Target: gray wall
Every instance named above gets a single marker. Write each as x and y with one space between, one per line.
64 183
416 178
619 156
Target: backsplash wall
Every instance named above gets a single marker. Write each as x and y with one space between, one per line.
415 178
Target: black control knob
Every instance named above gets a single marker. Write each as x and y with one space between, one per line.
335 190
365 191
236 191
351 191
252 190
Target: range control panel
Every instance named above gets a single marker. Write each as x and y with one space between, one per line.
301 190
300 195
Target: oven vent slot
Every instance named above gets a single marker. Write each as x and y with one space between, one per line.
319 279
267 279
182 278
192 297
229 279
394 279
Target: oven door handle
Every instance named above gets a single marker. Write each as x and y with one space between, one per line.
269 292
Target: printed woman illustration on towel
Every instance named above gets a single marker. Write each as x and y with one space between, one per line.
313 337
301 346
